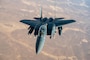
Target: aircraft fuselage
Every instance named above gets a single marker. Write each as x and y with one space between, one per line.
41 38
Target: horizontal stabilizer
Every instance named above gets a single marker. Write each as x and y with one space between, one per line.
37 18
59 18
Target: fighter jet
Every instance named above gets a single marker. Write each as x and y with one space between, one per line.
45 26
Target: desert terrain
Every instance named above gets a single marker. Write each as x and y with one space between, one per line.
16 44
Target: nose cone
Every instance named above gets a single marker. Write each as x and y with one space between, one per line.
37 51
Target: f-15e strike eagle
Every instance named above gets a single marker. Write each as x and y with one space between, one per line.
45 26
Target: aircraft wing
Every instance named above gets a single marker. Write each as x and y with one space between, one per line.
30 22
63 22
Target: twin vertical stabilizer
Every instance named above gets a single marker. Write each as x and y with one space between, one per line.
41 12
